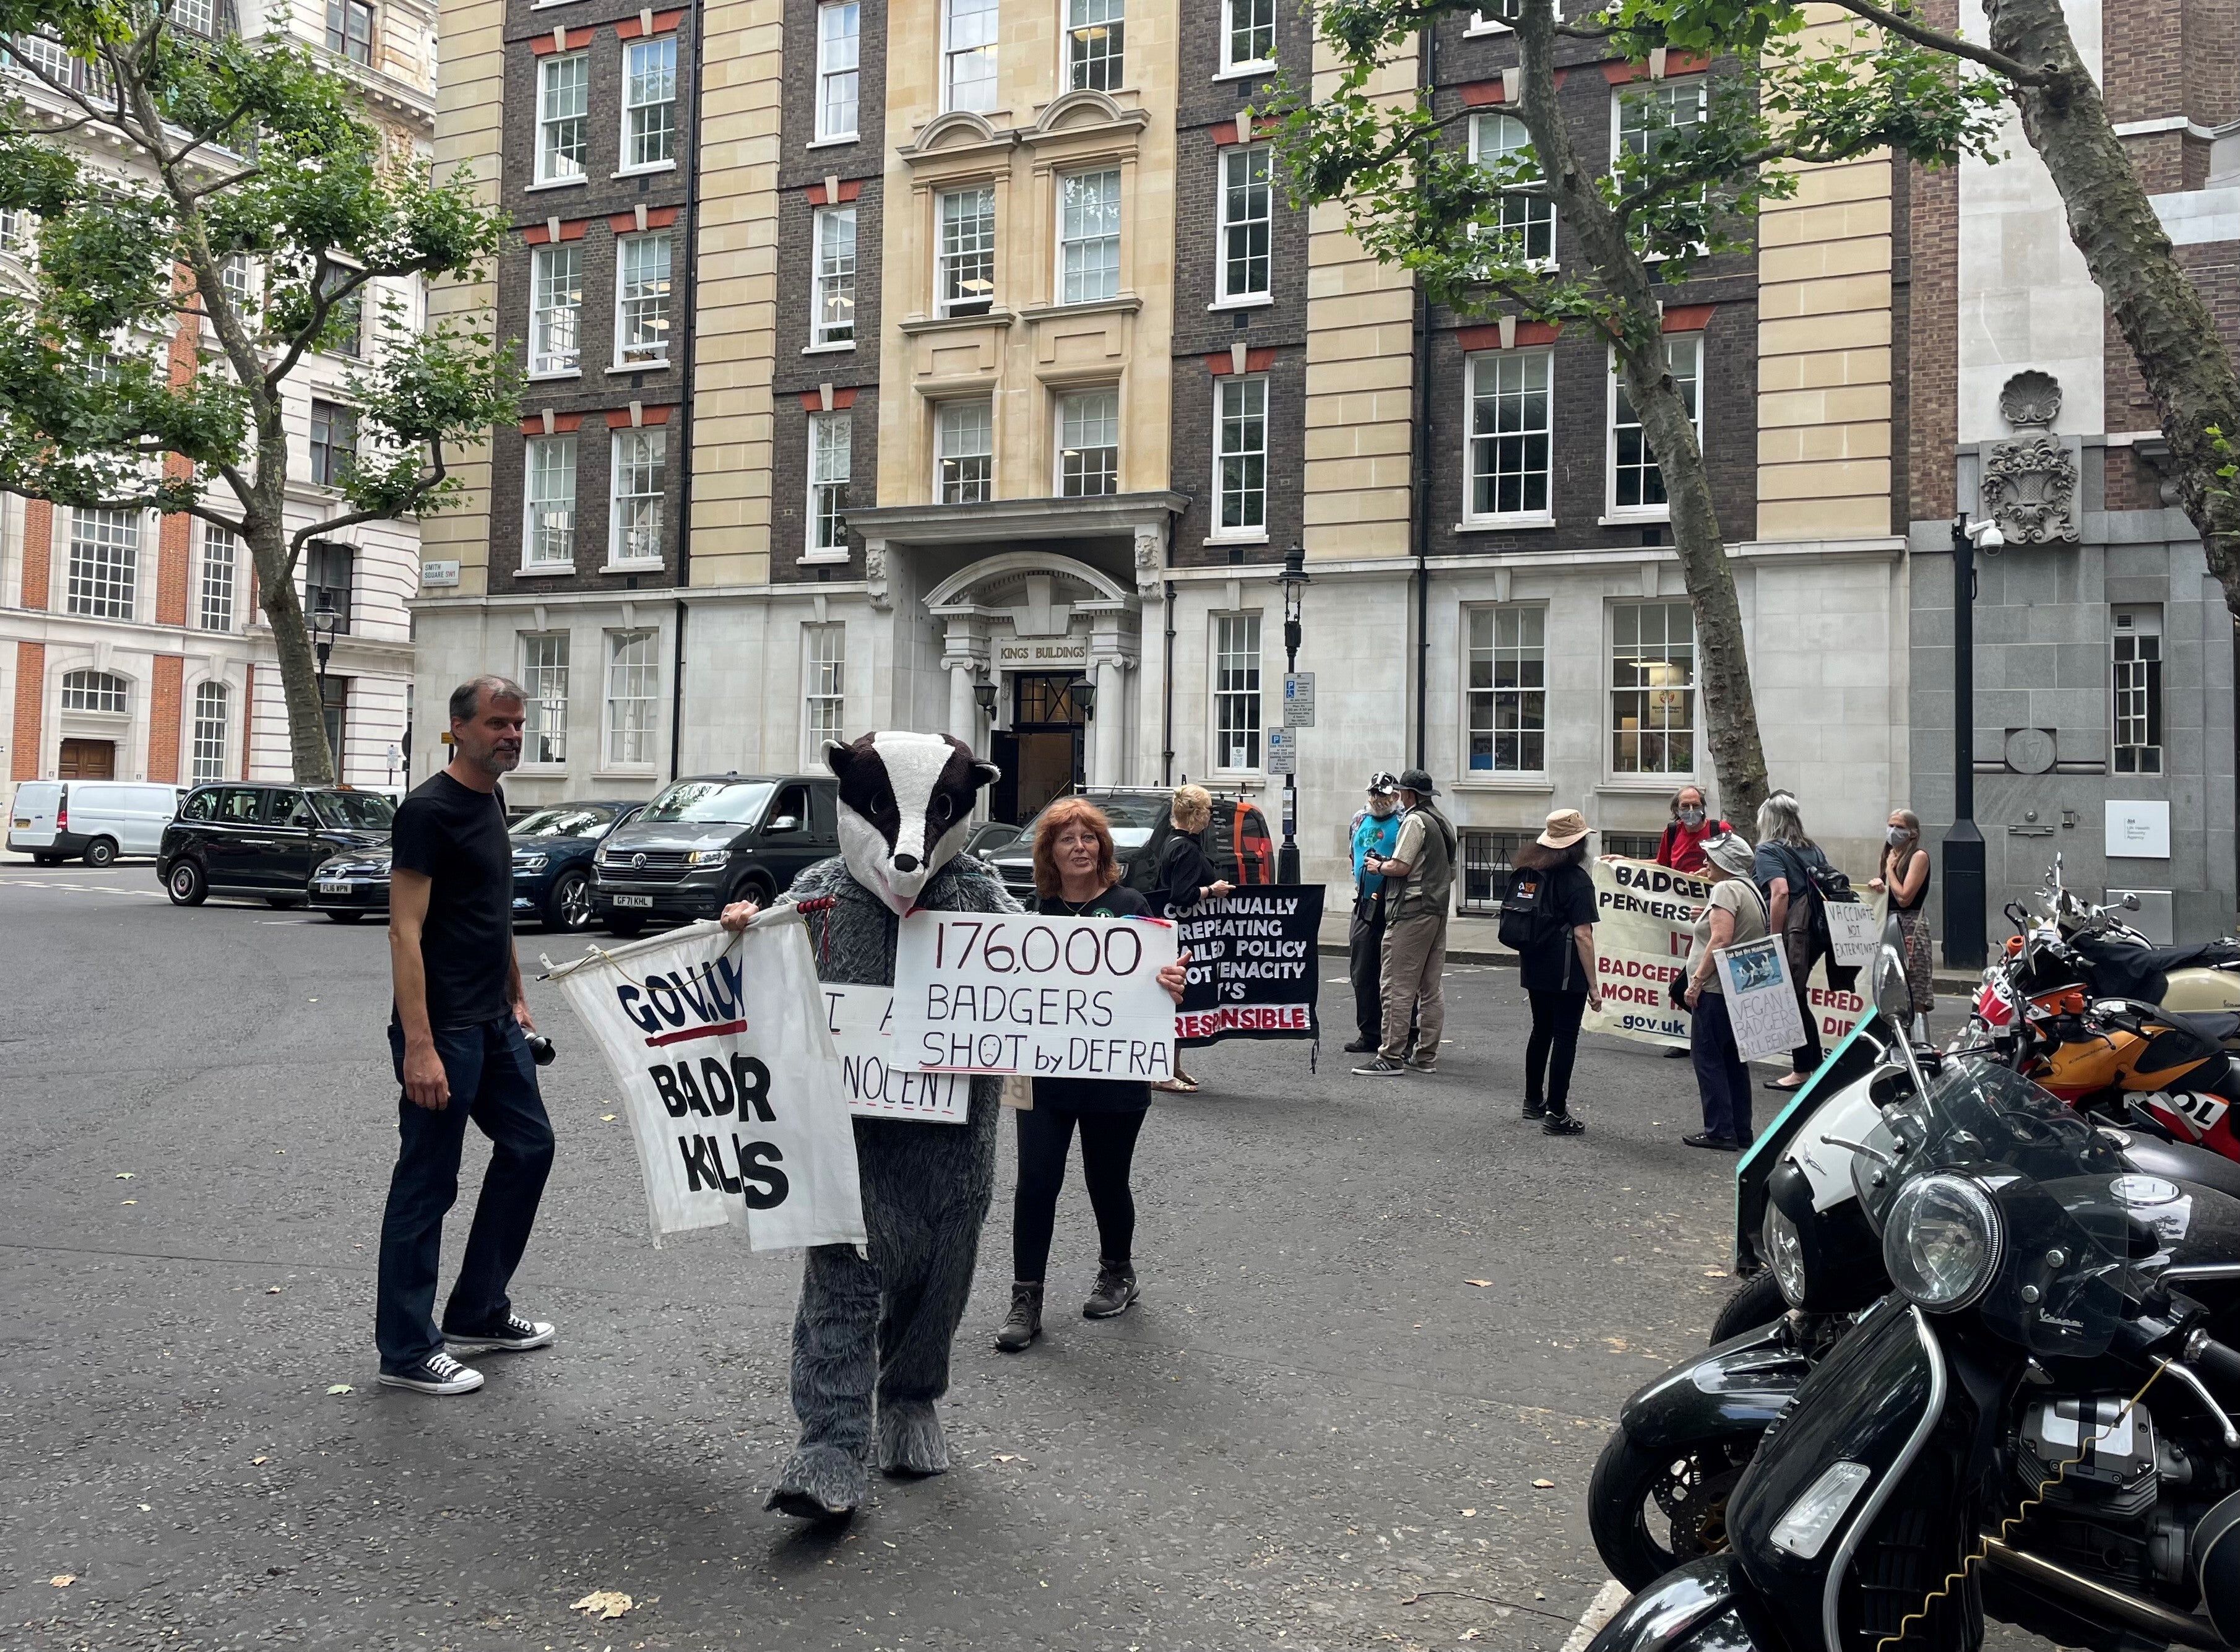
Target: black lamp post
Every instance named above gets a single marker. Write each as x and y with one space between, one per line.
1294 579
1964 943
324 624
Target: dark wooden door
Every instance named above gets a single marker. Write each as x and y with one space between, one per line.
87 760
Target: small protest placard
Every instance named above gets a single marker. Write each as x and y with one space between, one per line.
1854 931
1048 997
1761 1004
861 1021
1252 964
728 1080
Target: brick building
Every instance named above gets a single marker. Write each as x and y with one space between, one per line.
131 644
1002 370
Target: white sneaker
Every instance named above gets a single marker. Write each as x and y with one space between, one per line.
438 1374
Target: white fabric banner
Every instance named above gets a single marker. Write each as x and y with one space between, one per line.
861 1021
1761 1003
1046 998
729 1078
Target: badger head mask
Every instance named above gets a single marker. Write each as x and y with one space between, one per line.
906 806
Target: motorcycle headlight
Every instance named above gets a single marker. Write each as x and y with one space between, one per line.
1785 1253
532 862
1941 1241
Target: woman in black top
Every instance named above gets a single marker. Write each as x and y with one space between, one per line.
1558 968
1905 877
1077 875
1185 878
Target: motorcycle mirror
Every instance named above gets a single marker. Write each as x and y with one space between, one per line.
1893 999
2130 901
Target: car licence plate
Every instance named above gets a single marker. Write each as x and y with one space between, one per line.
634 900
334 889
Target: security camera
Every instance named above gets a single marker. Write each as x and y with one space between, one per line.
1987 536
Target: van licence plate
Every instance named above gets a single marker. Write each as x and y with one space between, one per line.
634 900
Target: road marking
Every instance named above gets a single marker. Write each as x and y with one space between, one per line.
1600 1611
78 889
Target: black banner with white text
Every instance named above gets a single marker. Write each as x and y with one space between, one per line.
1252 964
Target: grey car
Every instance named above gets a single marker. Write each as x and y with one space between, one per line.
711 839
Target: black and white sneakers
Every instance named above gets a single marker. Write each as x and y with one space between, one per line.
438 1374
511 1337
1381 1068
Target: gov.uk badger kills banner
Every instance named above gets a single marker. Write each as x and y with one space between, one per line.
729 1079
1251 966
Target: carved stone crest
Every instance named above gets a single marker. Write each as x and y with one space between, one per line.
875 573
2029 479
1148 558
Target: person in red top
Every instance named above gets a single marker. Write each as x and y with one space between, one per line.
1681 846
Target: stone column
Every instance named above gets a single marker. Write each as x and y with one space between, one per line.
1106 759
963 712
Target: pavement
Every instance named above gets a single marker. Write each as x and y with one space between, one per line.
1376 1313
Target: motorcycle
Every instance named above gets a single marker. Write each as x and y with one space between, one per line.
2138 1063
1982 1440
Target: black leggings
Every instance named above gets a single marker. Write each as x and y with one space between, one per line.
1108 1148
1554 1044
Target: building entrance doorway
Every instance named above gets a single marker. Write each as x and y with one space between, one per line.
1043 752
87 760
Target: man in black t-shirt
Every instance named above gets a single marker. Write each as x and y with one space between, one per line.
456 1037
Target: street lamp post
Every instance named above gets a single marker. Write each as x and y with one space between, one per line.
1964 941
1294 580
324 624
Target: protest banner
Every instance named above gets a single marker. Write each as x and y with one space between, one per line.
1855 930
1252 965
1644 925
1043 996
729 1079
1761 1003
861 1021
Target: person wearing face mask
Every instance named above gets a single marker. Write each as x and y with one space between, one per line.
1681 846
1905 876
1375 831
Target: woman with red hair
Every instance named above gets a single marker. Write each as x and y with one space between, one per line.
1077 875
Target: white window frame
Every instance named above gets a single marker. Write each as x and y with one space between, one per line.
2147 692
656 438
1235 65
208 732
830 434
1072 404
545 680
1482 24
534 504
1493 774
823 690
829 280
1224 295
944 416
948 258
1650 779
1532 204
1074 72
654 350
1075 286
1219 698
221 578
952 55
546 362
1701 82
1241 385
832 72
545 119
88 691
1493 360
633 81
108 587
1613 511
643 678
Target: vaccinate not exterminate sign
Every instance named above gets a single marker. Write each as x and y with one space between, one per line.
1049 997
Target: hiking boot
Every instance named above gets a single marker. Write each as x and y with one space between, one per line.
1025 1323
1116 1288
1561 1124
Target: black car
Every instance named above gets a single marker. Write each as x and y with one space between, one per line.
712 839
267 840
1142 819
551 868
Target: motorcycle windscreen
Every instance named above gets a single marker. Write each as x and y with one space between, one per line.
1851 1061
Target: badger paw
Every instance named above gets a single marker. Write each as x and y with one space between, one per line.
822 1482
910 1442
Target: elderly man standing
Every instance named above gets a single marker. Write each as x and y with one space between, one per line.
1415 929
1375 831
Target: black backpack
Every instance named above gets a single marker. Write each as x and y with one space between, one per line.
1528 917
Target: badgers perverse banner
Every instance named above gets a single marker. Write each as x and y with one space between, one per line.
729 1080
1253 971
1644 925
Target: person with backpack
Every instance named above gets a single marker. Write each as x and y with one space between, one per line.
1186 877
1547 918
1375 831
1415 929
1797 882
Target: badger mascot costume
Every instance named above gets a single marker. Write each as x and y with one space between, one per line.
884 1325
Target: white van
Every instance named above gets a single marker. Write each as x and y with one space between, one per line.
98 820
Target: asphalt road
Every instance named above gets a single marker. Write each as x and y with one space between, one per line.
1373 1314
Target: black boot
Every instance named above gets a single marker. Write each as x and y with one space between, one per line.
1025 1323
1534 1112
1116 1288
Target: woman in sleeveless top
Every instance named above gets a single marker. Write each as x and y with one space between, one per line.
1905 876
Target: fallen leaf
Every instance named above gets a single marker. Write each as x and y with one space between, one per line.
604 1603
272 1291
1469 1514
146 1508
310 1001
340 1388
606 1118
253 1462
133 1202
124 1176
1715 1273
1006 1457
1467 1634
1480 1283
62 1580
1544 1485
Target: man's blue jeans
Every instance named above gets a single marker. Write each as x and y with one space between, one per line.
493 1081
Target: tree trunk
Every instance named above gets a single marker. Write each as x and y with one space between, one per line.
2181 356
1721 661
299 666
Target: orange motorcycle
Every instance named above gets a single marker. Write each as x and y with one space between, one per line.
2137 1063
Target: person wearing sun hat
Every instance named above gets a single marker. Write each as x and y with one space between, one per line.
1551 900
1415 929
1737 913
